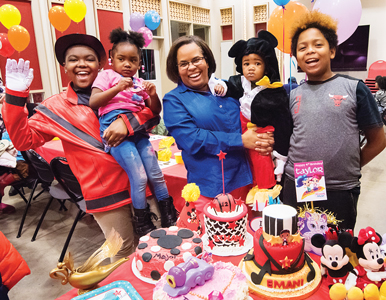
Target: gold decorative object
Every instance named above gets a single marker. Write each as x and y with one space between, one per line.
86 277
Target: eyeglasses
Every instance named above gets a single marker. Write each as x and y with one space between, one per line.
195 61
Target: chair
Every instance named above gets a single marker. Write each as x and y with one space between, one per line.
70 186
40 172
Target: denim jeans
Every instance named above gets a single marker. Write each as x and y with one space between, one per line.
137 157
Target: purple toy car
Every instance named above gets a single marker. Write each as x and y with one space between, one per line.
182 278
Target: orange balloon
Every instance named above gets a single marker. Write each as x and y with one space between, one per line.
58 18
19 37
280 19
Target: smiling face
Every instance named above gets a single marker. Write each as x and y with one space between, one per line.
125 59
253 67
195 76
314 55
81 64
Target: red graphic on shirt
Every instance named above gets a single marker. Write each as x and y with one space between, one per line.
298 100
337 99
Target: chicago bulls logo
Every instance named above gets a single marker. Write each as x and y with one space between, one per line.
337 99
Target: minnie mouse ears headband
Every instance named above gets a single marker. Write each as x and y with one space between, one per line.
264 45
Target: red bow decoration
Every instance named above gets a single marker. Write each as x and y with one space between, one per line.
331 234
367 235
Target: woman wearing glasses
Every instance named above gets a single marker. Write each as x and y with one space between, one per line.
203 124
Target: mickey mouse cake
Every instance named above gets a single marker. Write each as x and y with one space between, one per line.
164 248
277 266
225 220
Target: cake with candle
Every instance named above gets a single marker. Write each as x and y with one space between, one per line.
277 266
162 249
225 221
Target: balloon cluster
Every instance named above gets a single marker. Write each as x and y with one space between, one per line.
145 24
346 12
61 16
17 37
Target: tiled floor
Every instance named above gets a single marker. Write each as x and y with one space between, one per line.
42 255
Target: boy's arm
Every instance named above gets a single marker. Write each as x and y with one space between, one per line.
153 102
376 142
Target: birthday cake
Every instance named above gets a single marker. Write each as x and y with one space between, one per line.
164 248
226 279
225 220
277 266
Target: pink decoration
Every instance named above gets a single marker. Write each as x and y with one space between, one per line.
215 295
147 35
346 12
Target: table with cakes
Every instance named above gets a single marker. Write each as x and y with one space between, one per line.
233 252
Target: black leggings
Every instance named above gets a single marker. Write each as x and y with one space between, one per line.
343 203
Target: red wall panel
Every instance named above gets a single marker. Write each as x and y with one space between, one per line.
108 20
30 53
227 33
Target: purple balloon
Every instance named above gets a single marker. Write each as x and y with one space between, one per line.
346 12
147 35
137 21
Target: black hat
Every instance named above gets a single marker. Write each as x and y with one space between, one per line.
264 46
69 40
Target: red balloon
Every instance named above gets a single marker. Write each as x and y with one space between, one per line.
6 48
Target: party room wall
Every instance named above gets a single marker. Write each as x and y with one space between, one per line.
230 20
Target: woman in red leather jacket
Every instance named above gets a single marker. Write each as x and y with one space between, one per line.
67 115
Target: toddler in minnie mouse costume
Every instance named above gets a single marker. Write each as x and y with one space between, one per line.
263 102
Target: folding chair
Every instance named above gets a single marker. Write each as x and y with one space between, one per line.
39 173
73 192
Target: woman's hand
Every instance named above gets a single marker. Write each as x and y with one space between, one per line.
115 133
260 142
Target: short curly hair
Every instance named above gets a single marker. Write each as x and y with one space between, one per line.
315 19
382 83
171 61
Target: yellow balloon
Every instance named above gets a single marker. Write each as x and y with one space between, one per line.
9 15
75 9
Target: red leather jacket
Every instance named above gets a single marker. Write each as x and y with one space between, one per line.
105 185
12 266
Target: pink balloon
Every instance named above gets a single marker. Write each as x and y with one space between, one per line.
346 12
147 35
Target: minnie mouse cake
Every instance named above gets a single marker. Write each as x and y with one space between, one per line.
162 249
226 226
277 266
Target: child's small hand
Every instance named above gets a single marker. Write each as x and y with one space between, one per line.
124 83
219 89
150 88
